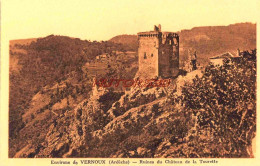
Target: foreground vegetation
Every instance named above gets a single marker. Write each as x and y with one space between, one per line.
224 103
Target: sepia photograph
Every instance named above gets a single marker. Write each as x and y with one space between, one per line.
131 79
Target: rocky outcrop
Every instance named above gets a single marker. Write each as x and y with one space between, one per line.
138 123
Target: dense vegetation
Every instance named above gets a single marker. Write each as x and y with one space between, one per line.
224 102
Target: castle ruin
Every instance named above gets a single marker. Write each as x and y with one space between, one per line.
158 54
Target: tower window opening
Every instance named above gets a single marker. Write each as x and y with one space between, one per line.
145 57
151 55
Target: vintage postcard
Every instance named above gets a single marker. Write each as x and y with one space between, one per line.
135 82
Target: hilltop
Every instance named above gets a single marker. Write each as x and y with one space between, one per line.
129 41
22 41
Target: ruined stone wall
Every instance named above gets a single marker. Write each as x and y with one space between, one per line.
174 60
158 54
148 53
169 55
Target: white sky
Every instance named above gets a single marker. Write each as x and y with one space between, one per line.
104 19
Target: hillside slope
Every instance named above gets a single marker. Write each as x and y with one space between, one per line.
54 69
214 40
109 124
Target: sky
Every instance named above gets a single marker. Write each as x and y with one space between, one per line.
104 19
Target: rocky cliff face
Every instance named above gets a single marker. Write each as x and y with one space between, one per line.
142 122
110 124
86 130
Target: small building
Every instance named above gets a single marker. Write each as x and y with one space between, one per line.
103 56
116 52
218 60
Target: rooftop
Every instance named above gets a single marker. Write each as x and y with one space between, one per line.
224 55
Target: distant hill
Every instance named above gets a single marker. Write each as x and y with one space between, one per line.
208 40
22 41
129 41
124 39
212 40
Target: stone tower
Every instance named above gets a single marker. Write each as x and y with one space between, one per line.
158 54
